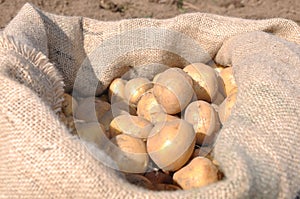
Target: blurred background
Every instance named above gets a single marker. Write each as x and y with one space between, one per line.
121 9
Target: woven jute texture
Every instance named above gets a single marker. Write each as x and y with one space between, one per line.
42 54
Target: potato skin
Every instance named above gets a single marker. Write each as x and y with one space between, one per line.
227 81
176 137
204 119
129 153
205 82
135 88
226 106
199 172
131 125
116 90
173 90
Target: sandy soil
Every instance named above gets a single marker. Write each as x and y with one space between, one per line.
119 9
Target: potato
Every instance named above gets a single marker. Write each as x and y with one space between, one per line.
170 144
116 90
227 80
204 119
135 88
199 172
226 106
69 105
149 108
91 109
129 153
173 90
131 125
93 132
205 83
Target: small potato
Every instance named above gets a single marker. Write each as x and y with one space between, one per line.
205 81
68 105
158 177
93 132
173 90
135 88
226 106
131 125
204 119
199 172
129 153
116 90
170 144
91 109
139 180
227 80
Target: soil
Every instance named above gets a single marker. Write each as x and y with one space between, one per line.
120 9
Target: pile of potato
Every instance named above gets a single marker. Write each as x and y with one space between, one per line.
161 131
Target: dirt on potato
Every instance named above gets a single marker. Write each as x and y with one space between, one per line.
126 9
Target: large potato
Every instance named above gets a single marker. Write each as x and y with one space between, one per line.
129 153
170 144
204 119
173 90
205 82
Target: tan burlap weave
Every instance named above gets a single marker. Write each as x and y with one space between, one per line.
258 148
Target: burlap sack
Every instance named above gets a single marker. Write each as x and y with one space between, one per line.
258 148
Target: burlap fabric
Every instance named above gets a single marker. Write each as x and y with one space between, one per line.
258 148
